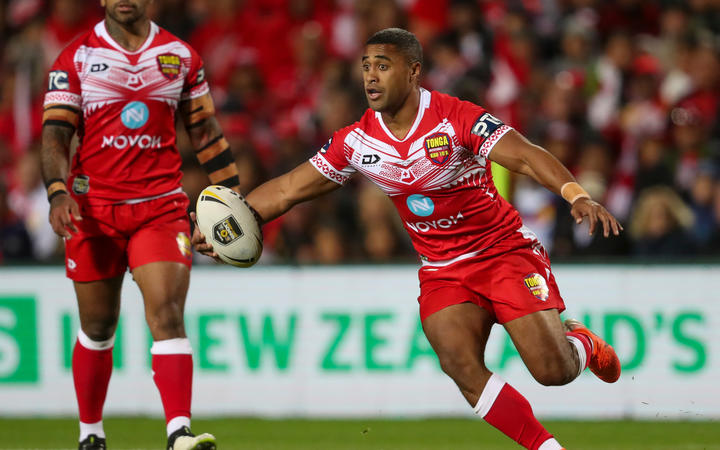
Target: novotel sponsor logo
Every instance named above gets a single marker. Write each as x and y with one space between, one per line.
444 223
121 142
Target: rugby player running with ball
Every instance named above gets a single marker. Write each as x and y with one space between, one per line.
430 153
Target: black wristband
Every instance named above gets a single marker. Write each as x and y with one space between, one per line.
53 180
55 194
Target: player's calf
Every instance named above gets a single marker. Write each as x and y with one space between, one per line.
507 410
543 345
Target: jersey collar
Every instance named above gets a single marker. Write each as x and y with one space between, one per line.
102 32
422 106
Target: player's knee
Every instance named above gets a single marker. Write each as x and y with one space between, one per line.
554 372
460 365
99 331
166 323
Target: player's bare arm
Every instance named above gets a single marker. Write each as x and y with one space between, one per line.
59 122
518 154
275 197
211 148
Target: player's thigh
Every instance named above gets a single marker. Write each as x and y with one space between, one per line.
96 262
164 286
99 306
160 258
163 283
540 339
459 334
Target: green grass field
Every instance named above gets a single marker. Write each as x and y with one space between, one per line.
435 434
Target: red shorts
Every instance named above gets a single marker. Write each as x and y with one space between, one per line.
112 237
508 285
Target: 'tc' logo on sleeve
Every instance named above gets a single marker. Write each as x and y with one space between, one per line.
58 81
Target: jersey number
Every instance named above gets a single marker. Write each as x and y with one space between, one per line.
486 125
58 81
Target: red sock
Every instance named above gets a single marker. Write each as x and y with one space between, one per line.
91 369
504 408
587 346
172 373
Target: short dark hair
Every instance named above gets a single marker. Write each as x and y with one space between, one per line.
404 40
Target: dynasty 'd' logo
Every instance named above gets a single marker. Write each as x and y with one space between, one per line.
169 65
537 286
437 147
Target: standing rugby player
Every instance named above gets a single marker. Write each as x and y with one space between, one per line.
119 202
431 154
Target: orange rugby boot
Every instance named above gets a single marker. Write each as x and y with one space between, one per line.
604 363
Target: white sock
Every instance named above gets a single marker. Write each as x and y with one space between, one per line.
582 356
550 444
89 344
86 429
490 392
176 423
175 346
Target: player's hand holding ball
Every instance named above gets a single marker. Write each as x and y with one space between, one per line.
227 228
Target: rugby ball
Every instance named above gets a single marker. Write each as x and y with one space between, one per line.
228 223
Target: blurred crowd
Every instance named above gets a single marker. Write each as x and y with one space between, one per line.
623 92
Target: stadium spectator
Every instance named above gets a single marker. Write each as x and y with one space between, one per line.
661 223
15 243
653 165
28 200
713 246
606 82
576 48
701 204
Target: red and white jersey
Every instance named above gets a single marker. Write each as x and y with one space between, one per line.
438 176
128 101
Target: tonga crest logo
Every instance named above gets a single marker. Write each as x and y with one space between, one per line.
437 148
169 65
183 242
537 286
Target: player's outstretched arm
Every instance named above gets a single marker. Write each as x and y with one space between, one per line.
273 198
518 154
54 161
211 148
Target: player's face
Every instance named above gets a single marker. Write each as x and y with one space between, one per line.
387 77
125 11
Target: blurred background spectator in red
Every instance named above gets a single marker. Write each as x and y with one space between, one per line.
624 92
